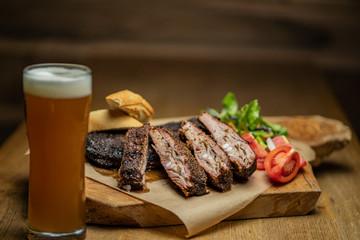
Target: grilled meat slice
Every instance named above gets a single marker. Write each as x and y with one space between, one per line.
241 156
133 165
179 163
105 149
209 156
175 126
153 158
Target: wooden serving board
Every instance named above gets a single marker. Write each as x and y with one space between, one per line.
109 206
106 205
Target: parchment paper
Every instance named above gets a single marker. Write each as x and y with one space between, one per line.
198 212
201 212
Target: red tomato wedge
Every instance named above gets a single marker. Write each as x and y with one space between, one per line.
302 161
282 164
248 137
259 151
283 141
260 164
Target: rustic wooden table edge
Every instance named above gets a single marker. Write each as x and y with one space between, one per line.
11 157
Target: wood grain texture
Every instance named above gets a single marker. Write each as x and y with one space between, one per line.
323 135
298 197
108 206
320 224
335 215
165 84
14 168
326 32
276 51
323 33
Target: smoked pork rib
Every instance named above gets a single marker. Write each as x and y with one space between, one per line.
209 156
175 126
241 156
105 150
133 165
179 163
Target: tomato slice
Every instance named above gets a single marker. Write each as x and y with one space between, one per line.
248 137
282 164
283 141
259 151
302 161
260 164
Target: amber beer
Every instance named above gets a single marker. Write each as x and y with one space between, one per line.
57 108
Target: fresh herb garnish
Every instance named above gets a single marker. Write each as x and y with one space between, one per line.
247 119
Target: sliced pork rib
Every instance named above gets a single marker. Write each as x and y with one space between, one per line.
209 156
179 163
175 126
133 165
105 150
241 156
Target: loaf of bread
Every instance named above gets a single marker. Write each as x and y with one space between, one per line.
105 119
131 103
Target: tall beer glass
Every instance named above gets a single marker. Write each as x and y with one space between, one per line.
57 108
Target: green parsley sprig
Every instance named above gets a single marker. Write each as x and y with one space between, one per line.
247 119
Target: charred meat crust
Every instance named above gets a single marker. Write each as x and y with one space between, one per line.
209 156
133 165
246 173
153 158
176 126
241 156
105 150
179 163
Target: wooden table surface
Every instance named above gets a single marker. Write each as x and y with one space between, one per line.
182 88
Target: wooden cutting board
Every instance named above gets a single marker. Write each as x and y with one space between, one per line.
111 207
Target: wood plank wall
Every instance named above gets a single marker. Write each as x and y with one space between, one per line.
321 34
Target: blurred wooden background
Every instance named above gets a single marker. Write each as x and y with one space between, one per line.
185 55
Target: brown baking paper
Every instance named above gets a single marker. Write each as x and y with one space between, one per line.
198 212
201 212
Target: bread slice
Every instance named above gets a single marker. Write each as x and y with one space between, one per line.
105 119
131 103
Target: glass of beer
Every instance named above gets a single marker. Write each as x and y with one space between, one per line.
57 100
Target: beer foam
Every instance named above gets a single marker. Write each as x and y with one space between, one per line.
57 80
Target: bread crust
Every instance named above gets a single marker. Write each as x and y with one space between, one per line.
131 103
105 119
